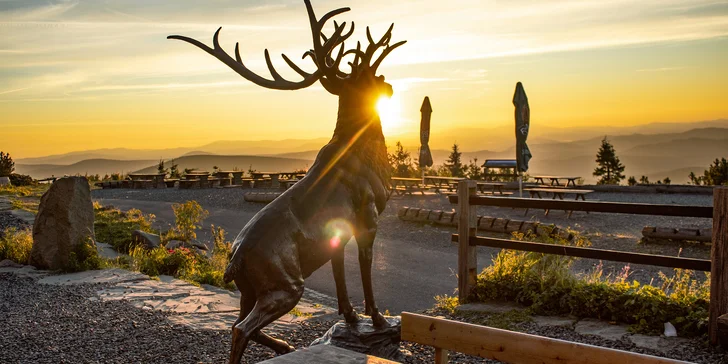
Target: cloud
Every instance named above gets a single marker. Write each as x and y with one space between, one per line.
661 69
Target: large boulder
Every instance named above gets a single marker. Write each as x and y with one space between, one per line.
145 239
65 219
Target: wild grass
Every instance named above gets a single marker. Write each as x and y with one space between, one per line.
16 245
114 227
546 284
36 190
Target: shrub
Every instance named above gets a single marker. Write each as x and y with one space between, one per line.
84 257
632 181
114 227
16 245
20 180
546 284
184 263
188 217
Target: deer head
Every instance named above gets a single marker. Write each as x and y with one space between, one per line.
358 89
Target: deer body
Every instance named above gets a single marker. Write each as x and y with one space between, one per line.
340 197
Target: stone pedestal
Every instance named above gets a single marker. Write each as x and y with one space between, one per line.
364 338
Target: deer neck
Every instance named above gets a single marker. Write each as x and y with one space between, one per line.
358 122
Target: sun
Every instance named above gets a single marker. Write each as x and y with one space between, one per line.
389 110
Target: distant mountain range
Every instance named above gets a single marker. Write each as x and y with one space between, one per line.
655 150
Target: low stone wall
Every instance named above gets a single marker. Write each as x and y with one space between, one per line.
262 197
484 223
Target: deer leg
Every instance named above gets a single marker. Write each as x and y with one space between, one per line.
247 302
342 296
365 242
269 307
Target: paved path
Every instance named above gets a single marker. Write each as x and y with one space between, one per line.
204 307
407 276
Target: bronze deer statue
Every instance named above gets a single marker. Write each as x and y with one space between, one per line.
340 197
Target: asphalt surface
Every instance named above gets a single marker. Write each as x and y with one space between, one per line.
406 275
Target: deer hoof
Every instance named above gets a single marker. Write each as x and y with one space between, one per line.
379 321
351 317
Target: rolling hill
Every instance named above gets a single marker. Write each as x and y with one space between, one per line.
90 167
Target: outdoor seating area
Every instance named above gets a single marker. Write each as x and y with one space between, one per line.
203 179
557 193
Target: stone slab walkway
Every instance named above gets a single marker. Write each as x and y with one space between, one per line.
602 329
204 308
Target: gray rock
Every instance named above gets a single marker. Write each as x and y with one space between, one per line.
174 244
7 263
65 219
106 251
199 245
362 337
600 328
5 181
554 321
147 240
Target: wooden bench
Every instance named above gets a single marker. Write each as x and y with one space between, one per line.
402 185
493 186
170 182
186 184
508 346
142 184
558 192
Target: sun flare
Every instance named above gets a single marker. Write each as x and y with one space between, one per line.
389 110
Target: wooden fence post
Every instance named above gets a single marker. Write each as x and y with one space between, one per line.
719 257
467 259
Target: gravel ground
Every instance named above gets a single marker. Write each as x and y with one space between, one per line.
60 324
8 220
606 231
66 324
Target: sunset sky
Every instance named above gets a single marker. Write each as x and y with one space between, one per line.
85 74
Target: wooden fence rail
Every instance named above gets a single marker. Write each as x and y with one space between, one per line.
590 206
510 347
467 201
574 251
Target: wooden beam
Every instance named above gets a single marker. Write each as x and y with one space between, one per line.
467 227
512 347
573 251
591 206
719 257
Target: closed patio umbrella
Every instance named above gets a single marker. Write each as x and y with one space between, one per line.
425 155
523 122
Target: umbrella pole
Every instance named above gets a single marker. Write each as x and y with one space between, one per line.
520 184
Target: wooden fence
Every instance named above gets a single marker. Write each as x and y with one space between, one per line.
467 200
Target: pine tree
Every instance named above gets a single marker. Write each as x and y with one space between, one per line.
474 171
717 173
401 162
174 170
7 166
609 168
160 167
453 162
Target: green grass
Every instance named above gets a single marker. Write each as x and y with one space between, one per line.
546 285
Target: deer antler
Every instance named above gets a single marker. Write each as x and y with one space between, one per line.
327 67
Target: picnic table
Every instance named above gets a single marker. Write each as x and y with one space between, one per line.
402 185
555 180
145 180
194 180
451 183
558 192
274 178
494 187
